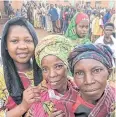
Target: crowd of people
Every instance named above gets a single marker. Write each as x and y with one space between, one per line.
70 73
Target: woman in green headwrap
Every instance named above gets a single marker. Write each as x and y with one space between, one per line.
78 29
51 55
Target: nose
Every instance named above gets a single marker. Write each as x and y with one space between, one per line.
52 73
85 30
22 45
89 79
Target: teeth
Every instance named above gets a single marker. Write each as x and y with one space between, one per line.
22 55
53 83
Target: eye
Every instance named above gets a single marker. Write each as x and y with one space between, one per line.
87 27
59 66
44 70
14 41
79 74
97 70
28 40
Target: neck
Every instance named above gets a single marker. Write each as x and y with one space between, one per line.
64 88
108 40
23 67
90 100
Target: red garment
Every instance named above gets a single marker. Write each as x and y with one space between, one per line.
47 104
101 109
26 82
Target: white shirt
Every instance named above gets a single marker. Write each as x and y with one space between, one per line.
112 46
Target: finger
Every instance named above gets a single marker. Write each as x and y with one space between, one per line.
36 90
29 89
57 113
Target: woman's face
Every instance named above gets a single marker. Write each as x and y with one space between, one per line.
91 78
54 71
82 28
20 44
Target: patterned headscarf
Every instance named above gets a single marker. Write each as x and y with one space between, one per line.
53 45
97 52
71 31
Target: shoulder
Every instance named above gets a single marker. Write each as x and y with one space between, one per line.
2 80
99 40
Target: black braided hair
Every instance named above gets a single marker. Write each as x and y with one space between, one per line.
12 79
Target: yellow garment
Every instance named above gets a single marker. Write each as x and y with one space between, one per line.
97 30
4 92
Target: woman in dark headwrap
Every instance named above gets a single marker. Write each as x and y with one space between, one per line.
91 66
20 72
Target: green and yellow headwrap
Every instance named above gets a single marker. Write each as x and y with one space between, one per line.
56 45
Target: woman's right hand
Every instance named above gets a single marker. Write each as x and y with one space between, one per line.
30 95
57 113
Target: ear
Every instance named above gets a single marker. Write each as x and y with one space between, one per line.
110 71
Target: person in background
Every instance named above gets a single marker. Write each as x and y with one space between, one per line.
20 73
108 39
97 27
54 17
57 101
24 11
65 20
107 16
78 29
91 66
113 20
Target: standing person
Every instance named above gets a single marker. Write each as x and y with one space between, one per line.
51 55
97 27
58 21
48 20
20 72
24 11
36 17
78 29
91 66
108 38
107 16
65 20
54 17
43 10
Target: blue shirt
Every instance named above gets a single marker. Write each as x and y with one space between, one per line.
54 14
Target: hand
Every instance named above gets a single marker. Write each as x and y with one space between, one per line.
57 113
30 95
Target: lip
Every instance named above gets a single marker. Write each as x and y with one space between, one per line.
92 90
54 82
22 55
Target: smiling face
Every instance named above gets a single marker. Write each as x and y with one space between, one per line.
55 72
20 44
82 28
91 77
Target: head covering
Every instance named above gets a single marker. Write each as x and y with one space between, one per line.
97 52
12 79
55 45
80 17
71 31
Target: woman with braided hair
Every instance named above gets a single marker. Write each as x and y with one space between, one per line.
20 72
91 66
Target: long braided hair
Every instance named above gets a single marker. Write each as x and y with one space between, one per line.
12 79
